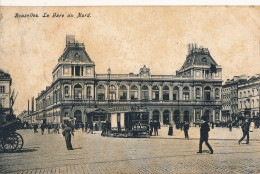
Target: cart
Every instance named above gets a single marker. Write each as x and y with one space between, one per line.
10 140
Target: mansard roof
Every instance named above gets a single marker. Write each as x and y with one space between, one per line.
4 75
74 51
198 57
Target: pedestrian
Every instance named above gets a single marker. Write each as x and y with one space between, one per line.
151 127
186 129
170 132
49 127
245 128
230 126
35 128
156 127
42 128
67 132
82 127
204 135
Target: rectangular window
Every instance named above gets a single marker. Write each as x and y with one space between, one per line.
134 95
2 89
185 95
174 97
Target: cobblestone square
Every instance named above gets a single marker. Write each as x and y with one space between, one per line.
161 154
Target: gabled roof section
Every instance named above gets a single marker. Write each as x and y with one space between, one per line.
74 51
198 57
4 75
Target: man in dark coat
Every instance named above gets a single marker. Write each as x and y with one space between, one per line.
42 128
151 127
245 128
204 135
186 129
67 132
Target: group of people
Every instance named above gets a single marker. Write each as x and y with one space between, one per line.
154 126
55 127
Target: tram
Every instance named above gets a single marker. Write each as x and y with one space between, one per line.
127 122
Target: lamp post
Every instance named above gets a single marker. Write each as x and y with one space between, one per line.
109 72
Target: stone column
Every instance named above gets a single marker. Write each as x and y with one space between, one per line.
128 91
160 92
214 117
194 115
220 115
139 91
161 117
171 92
180 93
117 91
74 70
150 115
171 117
150 92
106 92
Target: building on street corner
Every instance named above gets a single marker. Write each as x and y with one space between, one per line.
248 97
194 90
5 92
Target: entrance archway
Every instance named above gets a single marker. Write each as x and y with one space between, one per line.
156 115
176 116
206 114
78 116
166 116
187 116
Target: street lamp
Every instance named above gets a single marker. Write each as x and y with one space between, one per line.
109 72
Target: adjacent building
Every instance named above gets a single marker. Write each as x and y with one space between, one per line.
230 97
248 97
194 91
5 92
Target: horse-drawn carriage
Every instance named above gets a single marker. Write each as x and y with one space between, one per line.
10 140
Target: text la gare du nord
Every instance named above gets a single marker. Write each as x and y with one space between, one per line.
53 15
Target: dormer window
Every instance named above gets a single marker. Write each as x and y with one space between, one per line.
204 60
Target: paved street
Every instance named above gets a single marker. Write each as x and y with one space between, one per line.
162 154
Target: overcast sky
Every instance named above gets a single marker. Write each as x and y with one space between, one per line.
125 39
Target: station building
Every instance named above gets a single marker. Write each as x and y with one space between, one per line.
194 90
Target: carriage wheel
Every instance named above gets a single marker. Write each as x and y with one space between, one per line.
19 141
10 142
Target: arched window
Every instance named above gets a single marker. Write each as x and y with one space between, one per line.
156 115
166 93
77 92
101 92
122 93
88 92
66 91
175 93
207 90
198 95
145 93
217 93
155 93
166 117
186 93
112 91
187 116
134 93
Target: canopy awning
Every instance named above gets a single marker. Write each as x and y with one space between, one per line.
41 118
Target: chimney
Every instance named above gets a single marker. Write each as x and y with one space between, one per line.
70 39
32 104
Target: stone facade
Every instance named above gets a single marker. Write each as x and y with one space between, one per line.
194 91
248 97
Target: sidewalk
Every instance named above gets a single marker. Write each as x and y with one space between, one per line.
217 133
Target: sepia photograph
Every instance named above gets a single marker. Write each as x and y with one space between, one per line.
129 89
